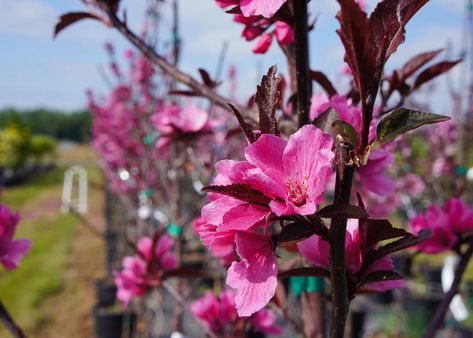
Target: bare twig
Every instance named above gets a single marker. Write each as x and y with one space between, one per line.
442 309
10 324
184 78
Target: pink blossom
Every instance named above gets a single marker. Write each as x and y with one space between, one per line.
288 178
173 122
264 42
460 216
284 33
218 314
11 251
255 276
144 270
435 219
215 313
317 251
266 8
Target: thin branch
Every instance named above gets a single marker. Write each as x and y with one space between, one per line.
301 49
6 318
442 309
184 78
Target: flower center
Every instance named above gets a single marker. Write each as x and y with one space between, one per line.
297 191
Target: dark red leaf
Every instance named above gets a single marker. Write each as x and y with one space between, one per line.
206 78
373 231
267 99
400 244
240 191
388 22
298 231
70 18
305 272
342 211
416 62
323 81
434 71
380 276
369 42
245 127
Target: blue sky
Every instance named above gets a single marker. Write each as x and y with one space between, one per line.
37 71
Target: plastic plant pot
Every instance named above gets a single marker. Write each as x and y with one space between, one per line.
106 291
111 322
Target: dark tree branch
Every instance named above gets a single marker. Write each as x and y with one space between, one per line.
301 49
184 78
439 316
340 301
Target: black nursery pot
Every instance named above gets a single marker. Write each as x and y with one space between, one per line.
106 291
462 332
113 324
255 335
357 324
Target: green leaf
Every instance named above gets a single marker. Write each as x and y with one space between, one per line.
325 120
347 132
401 120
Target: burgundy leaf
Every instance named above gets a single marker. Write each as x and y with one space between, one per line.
298 231
240 191
342 210
206 78
380 276
305 272
416 62
267 99
245 127
388 24
434 71
68 19
372 231
323 81
400 244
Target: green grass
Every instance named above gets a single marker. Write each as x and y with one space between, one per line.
41 273
17 197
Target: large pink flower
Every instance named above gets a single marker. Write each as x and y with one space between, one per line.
317 252
443 238
287 178
11 251
292 173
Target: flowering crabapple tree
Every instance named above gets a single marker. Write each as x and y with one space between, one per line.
273 202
